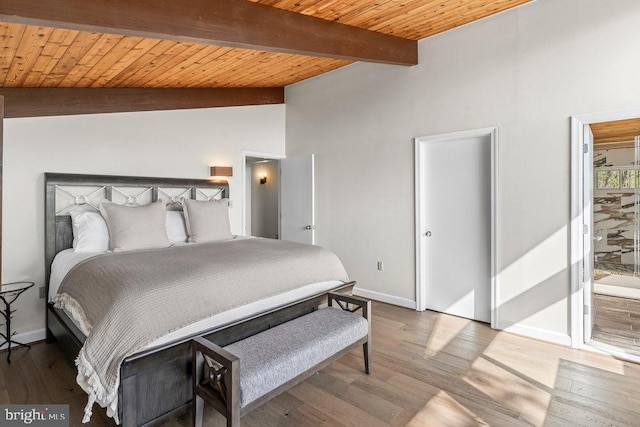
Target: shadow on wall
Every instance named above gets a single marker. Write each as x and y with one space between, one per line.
530 284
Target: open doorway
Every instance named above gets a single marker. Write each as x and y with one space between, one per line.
279 197
616 236
586 219
262 197
605 206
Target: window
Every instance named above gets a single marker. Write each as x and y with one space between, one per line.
608 179
630 178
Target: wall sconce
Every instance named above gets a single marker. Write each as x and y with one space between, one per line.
263 179
221 171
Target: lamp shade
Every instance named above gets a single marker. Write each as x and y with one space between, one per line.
221 171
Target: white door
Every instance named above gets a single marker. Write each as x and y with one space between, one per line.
297 199
588 259
455 225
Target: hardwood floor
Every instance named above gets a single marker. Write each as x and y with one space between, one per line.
617 323
428 369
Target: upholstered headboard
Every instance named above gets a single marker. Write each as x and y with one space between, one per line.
64 192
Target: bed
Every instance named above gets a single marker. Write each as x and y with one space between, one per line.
155 382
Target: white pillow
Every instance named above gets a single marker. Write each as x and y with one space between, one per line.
207 221
176 228
90 233
135 228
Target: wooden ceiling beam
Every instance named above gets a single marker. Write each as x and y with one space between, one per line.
34 102
231 23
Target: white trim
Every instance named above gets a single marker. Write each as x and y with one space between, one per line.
577 214
28 337
577 248
539 334
495 277
492 132
420 206
601 348
245 154
379 296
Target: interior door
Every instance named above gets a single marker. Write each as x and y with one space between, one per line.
457 218
297 221
588 260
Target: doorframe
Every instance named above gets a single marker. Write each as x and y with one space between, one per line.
577 219
245 154
420 205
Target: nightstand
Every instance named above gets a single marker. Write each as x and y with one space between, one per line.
8 294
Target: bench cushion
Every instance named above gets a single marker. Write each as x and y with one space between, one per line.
275 356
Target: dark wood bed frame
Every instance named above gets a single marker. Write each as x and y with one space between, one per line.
155 384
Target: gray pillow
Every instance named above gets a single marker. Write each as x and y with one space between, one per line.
137 227
207 221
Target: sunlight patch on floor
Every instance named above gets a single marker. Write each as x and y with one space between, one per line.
511 390
542 365
604 362
443 409
523 355
445 329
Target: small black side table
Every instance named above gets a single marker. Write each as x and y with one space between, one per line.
8 294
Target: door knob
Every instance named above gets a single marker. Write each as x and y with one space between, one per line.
428 234
310 227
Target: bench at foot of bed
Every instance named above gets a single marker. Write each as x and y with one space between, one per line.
242 376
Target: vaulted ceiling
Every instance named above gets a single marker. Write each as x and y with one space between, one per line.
213 43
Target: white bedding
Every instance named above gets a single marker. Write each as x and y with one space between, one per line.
62 264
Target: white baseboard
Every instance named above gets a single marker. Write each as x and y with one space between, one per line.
379 296
610 350
28 337
540 334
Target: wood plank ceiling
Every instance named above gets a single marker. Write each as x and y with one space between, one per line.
617 132
43 57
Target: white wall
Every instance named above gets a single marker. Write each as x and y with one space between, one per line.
180 144
527 71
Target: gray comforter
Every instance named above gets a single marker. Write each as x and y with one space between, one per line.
128 300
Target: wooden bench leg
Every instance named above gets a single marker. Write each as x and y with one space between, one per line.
233 394
366 349
224 394
343 302
233 420
198 410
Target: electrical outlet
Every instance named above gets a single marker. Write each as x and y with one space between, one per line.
42 292
380 266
